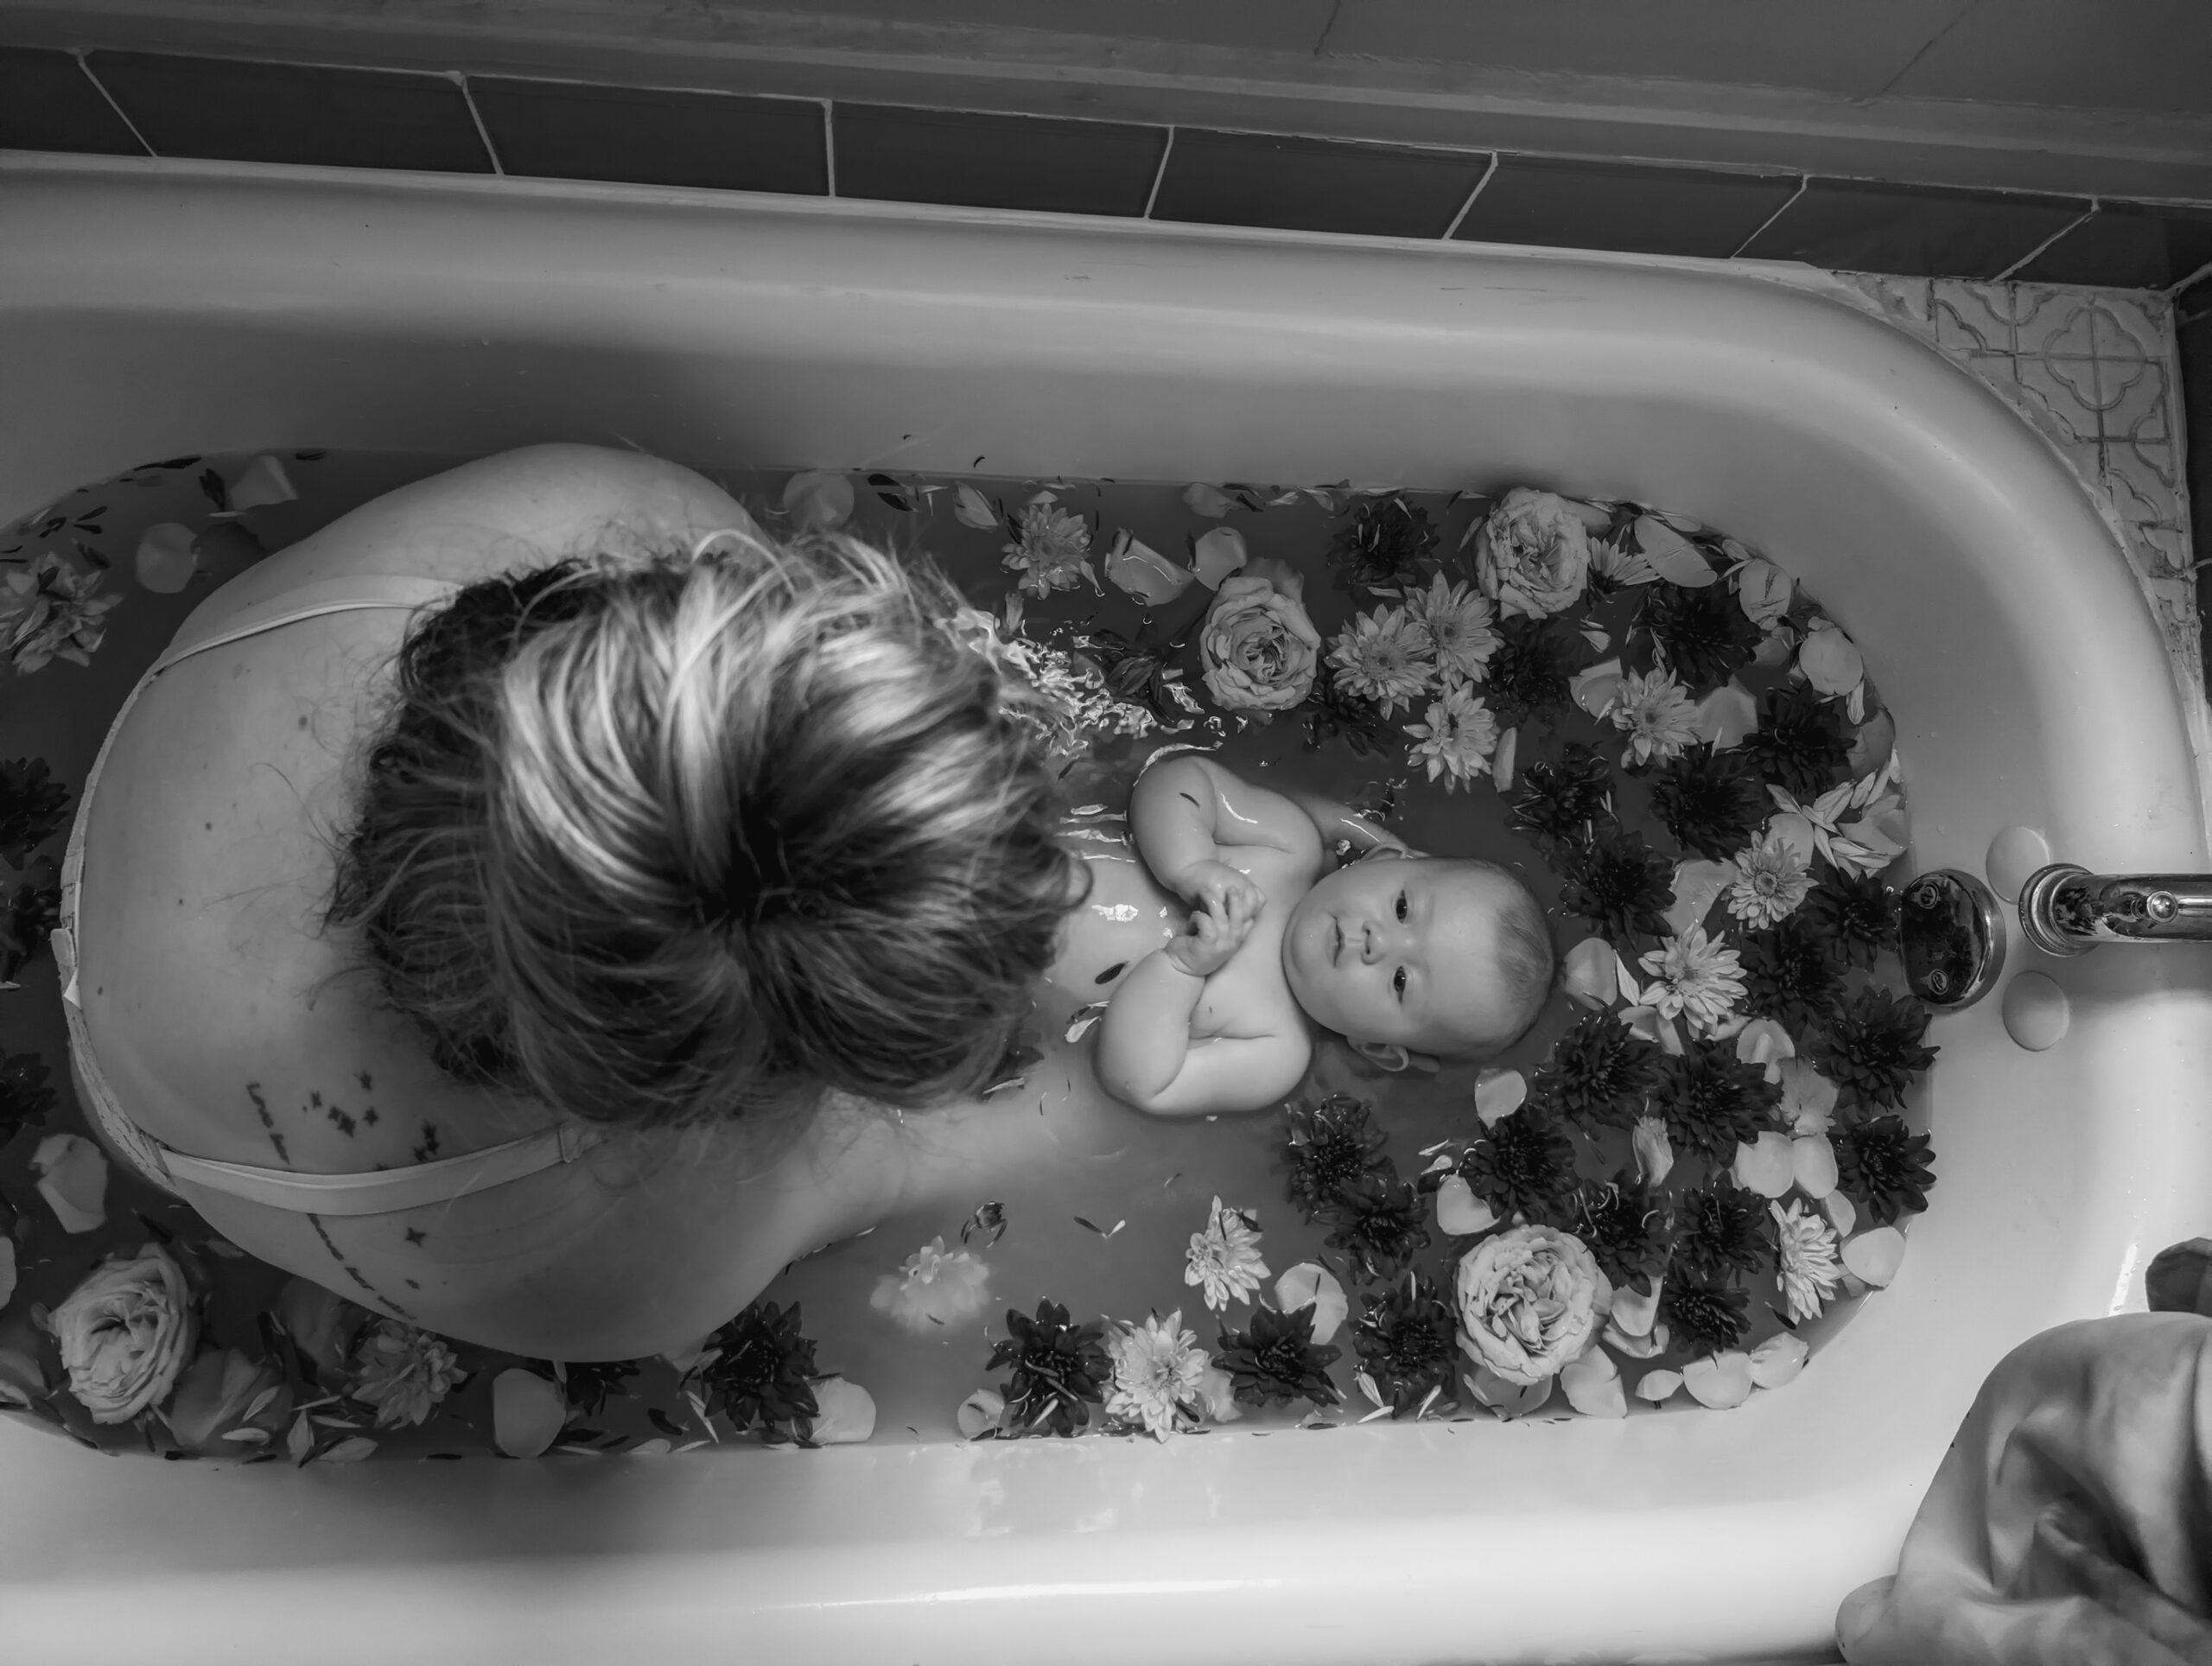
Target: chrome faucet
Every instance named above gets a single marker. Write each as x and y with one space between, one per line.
2067 909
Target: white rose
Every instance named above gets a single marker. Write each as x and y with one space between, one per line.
125 1333
1532 553
1531 1300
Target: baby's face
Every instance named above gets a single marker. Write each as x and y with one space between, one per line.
1404 949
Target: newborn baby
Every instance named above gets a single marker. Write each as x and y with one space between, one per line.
1213 1007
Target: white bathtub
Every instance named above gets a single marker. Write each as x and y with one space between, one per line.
147 310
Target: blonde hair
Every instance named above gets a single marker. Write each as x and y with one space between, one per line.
673 839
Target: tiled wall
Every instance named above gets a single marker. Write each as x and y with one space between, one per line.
134 102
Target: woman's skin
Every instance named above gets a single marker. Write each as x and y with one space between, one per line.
207 857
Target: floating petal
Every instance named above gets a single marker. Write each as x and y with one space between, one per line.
1311 1281
1592 973
1217 555
1655 1154
1460 1212
818 497
73 1179
1656 1386
1636 1347
1498 1094
1698 885
1778 1359
1726 715
1207 500
1831 662
1843 1213
1723 1381
1633 1315
1764 589
528 1413
1671 555
1138 570
1594 690
164 561
1764 1042
844 1413
1796 832
1766 1165
1508 1399
1812 1162
260 482
1592 1385
979 1411
1501 762
971 508
1874 745
1875 1255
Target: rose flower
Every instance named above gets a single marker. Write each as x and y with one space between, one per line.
1531 1301
1258 647
125 1333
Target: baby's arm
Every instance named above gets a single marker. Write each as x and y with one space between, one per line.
1337 821
1187 810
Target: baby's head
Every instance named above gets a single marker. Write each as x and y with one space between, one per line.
1404 955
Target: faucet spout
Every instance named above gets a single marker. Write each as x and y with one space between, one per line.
2067 909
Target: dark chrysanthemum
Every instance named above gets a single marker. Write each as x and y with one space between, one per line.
24 1097
763 1372
30 918
1791 972
1620 885
1626 1229
1275 1358
1568 801
1330 1149
1530 671
1705 1318
1406 1342
1381 544
1330 712
1872 1047
1711 802
1706 635
1713 1102
1885 1167
1059 1369
1801 743
1717 1230
32 807
1525 1164
1858 911
1598 1073
589 1382
1381 1224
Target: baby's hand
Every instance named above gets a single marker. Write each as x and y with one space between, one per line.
1216 932
1216 885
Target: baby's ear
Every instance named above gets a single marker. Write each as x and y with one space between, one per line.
1392 1057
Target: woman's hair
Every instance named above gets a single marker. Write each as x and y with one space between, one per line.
668 840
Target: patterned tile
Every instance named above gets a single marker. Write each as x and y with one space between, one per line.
2132 399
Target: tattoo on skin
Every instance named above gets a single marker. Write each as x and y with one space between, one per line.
268 1122
428 1147
352 1271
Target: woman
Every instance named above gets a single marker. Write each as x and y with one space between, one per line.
513 906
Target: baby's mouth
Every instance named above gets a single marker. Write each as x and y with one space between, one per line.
1336 940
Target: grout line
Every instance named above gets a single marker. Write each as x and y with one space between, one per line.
483 133
100 87
829 147
1470 202
1160 173
2196 276
1804 180
2085 215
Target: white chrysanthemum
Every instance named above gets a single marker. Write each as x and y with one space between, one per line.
1457 741
405 1372
1225 1259
1772 879
1385 656
1806 1260
1696 975
1659 717
1458 619
933 1288
1159 1375
1053 552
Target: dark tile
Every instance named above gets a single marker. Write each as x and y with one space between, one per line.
565 129
1314 185
48 103
981 160
1919 230
2128 246
1572 203
237 111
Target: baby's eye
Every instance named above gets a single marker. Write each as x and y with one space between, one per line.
1398 982
1401 914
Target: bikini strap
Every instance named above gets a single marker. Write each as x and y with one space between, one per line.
387 1190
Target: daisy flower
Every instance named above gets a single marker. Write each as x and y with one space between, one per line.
1457 739
1053 550
1458 619
1694 975
405 1372
1159 1375
1772 879
1385 656
1225 1259
1805 1260
1659 717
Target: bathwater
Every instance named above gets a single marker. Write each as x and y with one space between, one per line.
1089 584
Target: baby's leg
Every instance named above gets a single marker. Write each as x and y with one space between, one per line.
1125 917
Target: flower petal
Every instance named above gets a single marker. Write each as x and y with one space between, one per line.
1726 715
1592 1385
1763 590
1217 555
1460 1212
1136 568
1636 1347
1207 500
1764 1042
844 1413
1793 831
1778 1359
1656 1386
351 1451
1671 555
260 482
1830 660
1766 1165
1311 1281
1507 1399
528 1412
1633 1315
1842 1211
1592 973
979 1411
1501 762
818 497
1655 1154
1498 1094
163 560
1875 1255
1594 690
73 1179
1698 885
971 508
1720 1382
1812 1163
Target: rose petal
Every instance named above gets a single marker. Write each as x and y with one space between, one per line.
1636 1347
528 1413
1311 1281
1633 1315
261 481
1217 555
979 1411
350 1451
1795 831
1508 1399
818 497
1763 590
1592 1385
1830 660
1592 973
1656 1386
1773 651
1138 570
73 1179
1766 1165
1764 1042
1498 1094
971 508
1720 1382
1875 1255
1460 1212
1594 690
1871 746
1778 1359
1208 500
1812 1164
1673 556
659 1447
1843 1214
1726 715
163 560
1698 885
1501 762
1654 1152
844 1413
